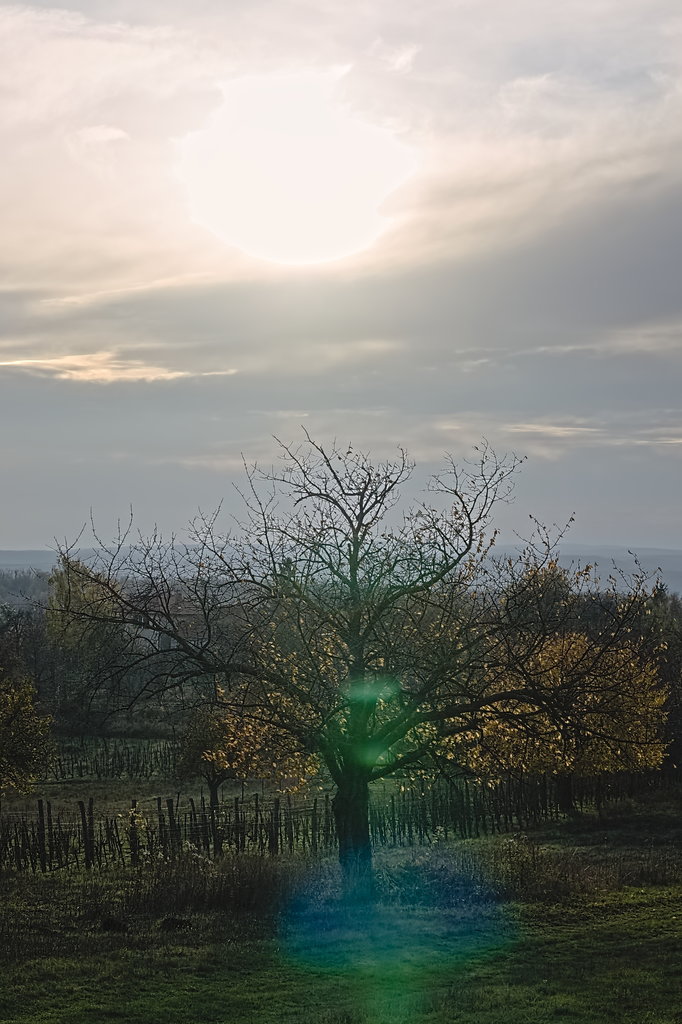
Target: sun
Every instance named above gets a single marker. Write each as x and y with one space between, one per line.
284 172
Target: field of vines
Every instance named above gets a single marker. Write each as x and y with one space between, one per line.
46 838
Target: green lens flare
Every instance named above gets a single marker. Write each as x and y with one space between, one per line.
395 949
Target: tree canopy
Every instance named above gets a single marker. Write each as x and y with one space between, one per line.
24 735
220 744
373 635
605 712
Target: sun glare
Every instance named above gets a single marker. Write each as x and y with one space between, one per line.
285 173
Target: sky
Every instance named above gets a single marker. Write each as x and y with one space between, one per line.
385 222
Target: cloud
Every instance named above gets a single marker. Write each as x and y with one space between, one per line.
654 338
510 113
553 430
527 291
399 59
552 440
98 134
88 111
101 368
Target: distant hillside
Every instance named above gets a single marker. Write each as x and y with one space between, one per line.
668 560
41 561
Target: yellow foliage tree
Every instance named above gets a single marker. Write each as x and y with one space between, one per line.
596 710
89 642
221 744
24 735
78 602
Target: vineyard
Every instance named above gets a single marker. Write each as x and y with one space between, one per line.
404 814
193 900
113 759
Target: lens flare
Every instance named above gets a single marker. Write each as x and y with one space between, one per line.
428 922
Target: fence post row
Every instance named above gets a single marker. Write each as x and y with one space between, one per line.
464 808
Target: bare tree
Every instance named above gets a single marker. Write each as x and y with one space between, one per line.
370 636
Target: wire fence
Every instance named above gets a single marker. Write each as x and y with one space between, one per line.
408 815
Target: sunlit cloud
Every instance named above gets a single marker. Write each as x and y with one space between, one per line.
282 414
101 368
399 59
554 440
314 359
504 132
525 289
652 338
552 430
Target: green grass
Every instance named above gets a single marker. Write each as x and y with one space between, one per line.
615 958
580 921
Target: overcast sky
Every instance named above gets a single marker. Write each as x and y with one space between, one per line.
525 286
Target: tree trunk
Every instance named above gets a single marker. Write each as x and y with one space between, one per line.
351 815
213 787
564 790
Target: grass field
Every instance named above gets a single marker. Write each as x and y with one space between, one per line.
581 921
615 958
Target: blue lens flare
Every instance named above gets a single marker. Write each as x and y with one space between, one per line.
427 922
